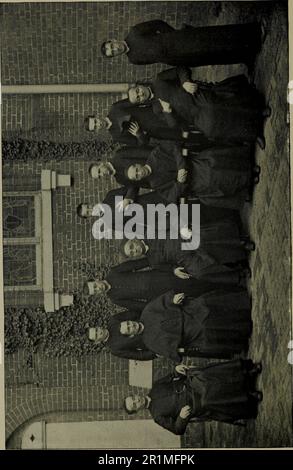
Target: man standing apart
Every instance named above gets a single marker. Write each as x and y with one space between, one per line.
157 42
221 392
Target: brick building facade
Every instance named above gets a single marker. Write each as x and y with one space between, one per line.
54 43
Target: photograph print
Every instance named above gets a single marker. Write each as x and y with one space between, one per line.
146 224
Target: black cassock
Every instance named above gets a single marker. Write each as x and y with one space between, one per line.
219 391
217 259
143 200
220 254
132 286
123 113
216 324
129 347
156 41
231 107
219 176
227 111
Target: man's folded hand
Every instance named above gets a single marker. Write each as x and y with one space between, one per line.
181 369
123 204
134 128
182 175
178 298
190 87
185 412
166 106
180 272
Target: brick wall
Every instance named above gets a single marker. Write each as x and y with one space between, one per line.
93 387
53 117
73 242
52 43
90 388
60 43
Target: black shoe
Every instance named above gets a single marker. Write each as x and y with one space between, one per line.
257 367
257 395
249 246
266 112
256 170
240 422
255 370
246 273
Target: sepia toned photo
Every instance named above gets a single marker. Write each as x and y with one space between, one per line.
146 224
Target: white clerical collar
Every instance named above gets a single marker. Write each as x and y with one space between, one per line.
111 168
108 286
148 401
107 336
151 93
127 47
148 166
109 122
141 328
98 209
146 246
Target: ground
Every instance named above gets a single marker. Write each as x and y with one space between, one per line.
268 218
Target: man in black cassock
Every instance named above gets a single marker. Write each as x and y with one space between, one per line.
132 284
223 392
129 347
156 41
215 324
229 111
219 176
120 123
116 167
135 125
221 256
123 159
85 210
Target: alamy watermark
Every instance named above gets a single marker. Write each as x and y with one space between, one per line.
157 221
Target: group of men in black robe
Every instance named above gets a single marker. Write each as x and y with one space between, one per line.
182 138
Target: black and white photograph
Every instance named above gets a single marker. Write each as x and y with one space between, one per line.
146 225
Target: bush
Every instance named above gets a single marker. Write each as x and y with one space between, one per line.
44 151
61 333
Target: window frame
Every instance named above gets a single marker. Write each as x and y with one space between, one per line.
36 241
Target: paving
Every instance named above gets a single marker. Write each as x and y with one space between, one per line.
268 218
